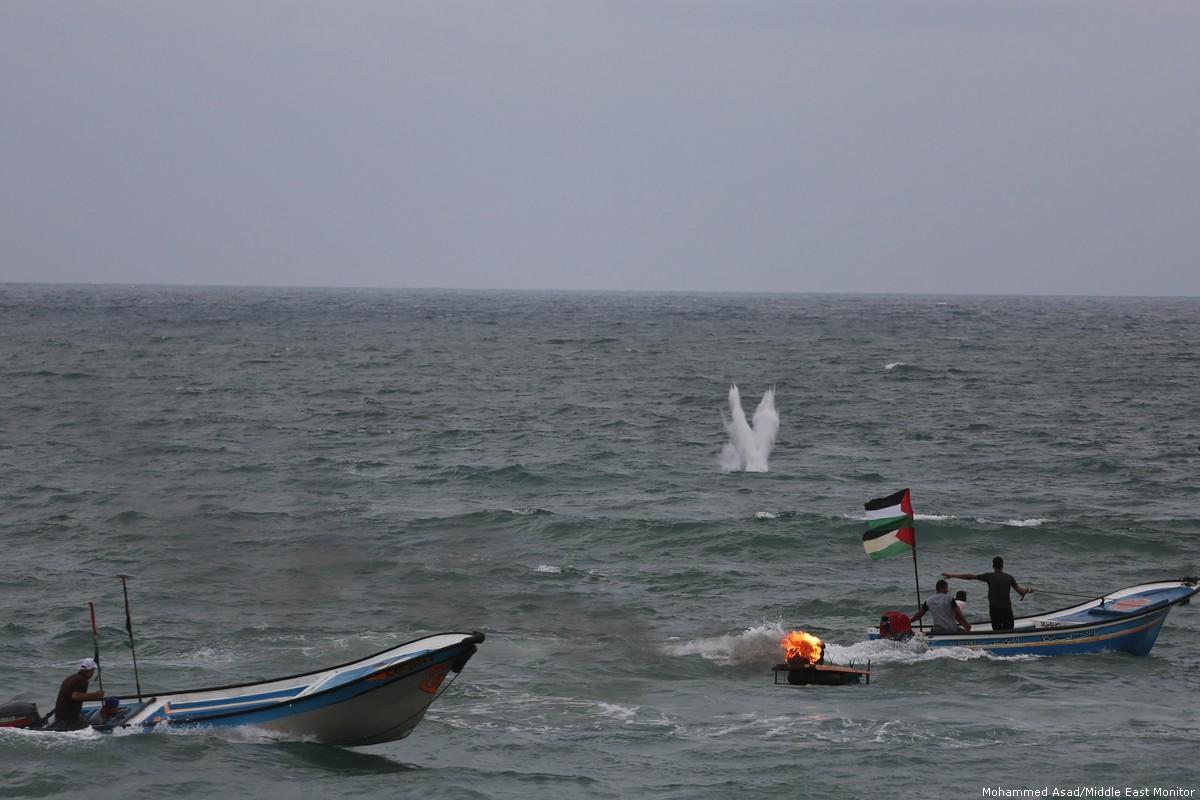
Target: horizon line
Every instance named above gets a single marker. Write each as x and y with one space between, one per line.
552 290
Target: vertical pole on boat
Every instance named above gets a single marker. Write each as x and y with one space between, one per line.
96 646
916 577
129 627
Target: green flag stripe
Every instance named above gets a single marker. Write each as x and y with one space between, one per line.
890 523
897 549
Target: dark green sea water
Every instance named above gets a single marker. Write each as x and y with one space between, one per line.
298 477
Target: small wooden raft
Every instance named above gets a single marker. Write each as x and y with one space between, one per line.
821 674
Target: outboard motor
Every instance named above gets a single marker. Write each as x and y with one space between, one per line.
19 714
895 625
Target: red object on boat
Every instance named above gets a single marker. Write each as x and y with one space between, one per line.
894 624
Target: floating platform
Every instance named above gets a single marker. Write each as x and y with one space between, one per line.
821 674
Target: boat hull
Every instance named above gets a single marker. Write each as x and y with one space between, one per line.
1132 636
386 714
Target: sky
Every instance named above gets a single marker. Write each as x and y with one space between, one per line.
961 147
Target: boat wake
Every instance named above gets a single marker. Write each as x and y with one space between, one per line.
759 645
49 741
882 651
750 443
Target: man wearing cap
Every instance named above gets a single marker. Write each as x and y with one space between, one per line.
69 706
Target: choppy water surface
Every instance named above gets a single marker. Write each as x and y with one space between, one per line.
298 477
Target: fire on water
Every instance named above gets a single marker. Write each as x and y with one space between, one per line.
801 647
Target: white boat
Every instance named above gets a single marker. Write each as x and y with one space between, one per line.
1127 619
379 698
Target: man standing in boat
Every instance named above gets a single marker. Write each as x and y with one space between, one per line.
1000 583
68 710
946 616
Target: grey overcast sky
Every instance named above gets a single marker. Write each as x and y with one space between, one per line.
969 146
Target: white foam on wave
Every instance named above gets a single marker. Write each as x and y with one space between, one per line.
750 443
1031 522
768 515
50 740
839 729
242 734
207 655
756 645
913 651
545 715
893 365
553 569
617 711
918 517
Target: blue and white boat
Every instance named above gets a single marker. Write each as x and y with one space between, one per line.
379 698
1128 620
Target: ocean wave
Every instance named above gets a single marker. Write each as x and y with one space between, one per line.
554 569
545 715
127 517
491 516
516 474
838 729
862 515
1030 522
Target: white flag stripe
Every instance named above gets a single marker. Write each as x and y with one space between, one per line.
883 513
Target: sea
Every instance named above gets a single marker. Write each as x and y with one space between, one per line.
293 478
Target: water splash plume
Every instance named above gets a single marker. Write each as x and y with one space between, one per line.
749 443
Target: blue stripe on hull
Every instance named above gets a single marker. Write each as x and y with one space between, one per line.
250 699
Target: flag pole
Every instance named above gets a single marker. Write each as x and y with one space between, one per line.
916 577
907 501
129 627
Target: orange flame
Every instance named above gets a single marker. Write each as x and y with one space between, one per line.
802 647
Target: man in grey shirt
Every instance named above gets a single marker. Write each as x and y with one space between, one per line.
944 610
1000 583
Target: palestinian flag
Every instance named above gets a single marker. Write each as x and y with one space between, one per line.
890 520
